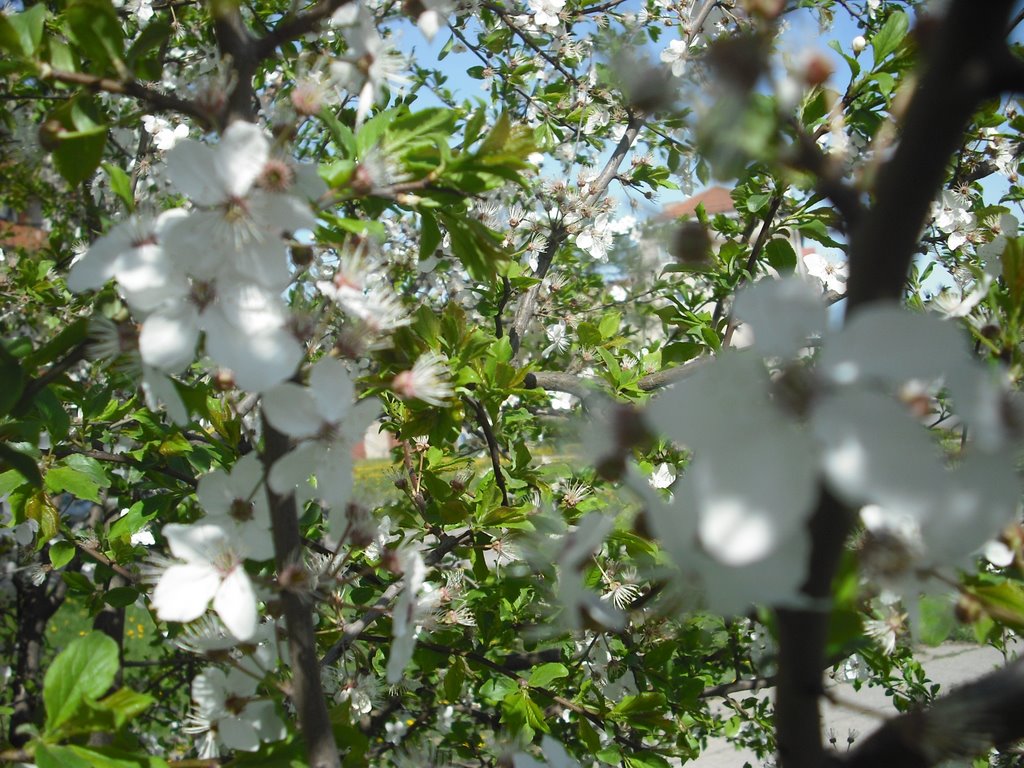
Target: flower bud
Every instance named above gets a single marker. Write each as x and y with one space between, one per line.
50 133
858 44
691 244
968 609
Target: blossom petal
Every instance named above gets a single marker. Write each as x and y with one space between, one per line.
332 389
158 390
184 591
277 212
889 343
189 166
291 408
238 733
168 337
783 314
240 157
294 468
148 278
196 543
258 360
235 603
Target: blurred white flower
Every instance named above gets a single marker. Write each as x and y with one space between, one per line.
328 423
370 64
832 275
427 380
677 54
597 238
237 501
953 217
228 705
663 477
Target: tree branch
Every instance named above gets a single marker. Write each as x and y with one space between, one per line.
158 100
307 693
957 77
528 303
492 445
295 27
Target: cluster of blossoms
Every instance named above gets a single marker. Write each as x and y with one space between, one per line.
218 269
851 421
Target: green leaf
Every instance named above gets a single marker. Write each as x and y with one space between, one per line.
61 553
53 756
121 184
70 479
522 715
780 255
609 325
1002 602
646 760
38 507
78 154
20 463
143 57
937 620
13 378
84 670
890 36
453 680
430 235
94 25
543 675
132 522
124 704
21 33
758 201
120 597
588 334
643 709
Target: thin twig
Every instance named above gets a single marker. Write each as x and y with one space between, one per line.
492 445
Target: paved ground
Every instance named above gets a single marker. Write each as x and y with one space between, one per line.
861 712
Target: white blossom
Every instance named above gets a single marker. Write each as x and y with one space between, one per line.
213 571
427 380
227 702
327 421
545 12
237 501
677 54
558 335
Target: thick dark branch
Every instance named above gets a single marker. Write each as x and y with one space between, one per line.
307 693
295 27
157 100
237 43
959 69
802 637
556 381
962 723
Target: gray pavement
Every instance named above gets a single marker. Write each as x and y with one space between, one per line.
860 712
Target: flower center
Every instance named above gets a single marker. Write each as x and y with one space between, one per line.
277 176
242 510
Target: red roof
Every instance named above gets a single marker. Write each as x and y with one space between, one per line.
21 236
715 200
